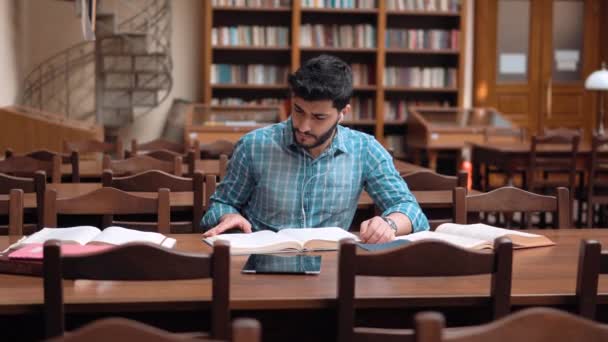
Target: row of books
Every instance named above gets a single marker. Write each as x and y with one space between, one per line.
343 36
339 3
422 39
249 74
423 5
363 74
434 77
236 101
397 110
251 3
250 36
361 108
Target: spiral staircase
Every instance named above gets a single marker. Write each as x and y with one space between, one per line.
114 80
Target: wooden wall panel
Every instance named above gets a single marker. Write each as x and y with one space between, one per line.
25 129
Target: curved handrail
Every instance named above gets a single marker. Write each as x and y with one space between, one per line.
148 18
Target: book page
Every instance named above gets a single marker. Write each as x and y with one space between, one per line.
118 235
462 241
323 238
480 231
79 234
257 242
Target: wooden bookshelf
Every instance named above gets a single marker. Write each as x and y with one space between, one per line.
377 57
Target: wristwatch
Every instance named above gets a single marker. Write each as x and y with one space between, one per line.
391 223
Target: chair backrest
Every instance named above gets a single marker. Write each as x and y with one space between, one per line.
223 166
447 260
157 144
36 185
107 202
13 208
138 164
214 150
155 263
23 166
592 262
564 162
107 329
188 158
597 187
504 134
95 146
210 186
430 181
533 324
151 181
510 199
45 155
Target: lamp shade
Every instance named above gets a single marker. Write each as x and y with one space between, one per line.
598 80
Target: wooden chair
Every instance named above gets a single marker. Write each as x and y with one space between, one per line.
22 166
510 199
551 164
152 180
107 202
157 144
125 330
447 260
210 186
138 164
131 262
189 158
13 208
597 188
215 149
533 324
592 262
36 185
45 155
502 135
431 181
95 146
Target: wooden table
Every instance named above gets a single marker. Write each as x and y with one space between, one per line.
426 199
513 156
541 276
93 168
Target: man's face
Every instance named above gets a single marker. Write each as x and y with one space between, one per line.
313 122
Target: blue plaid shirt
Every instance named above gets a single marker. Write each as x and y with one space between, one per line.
276 184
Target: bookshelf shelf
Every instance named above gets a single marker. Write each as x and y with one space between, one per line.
422 51
252 9
381 109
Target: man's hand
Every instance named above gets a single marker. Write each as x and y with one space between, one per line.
229 221
376 230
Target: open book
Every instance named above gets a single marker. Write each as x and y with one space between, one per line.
479 236
83 239
285 240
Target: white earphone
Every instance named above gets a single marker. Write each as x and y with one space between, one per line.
341 117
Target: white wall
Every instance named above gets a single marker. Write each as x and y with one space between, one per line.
186 47
9 66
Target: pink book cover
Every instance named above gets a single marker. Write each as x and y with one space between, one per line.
34 251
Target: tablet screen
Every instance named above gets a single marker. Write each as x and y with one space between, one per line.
299 264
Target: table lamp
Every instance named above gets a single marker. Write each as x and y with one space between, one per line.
598 80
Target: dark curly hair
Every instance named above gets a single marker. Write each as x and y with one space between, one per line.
324 77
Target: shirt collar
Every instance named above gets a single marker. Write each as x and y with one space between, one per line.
338 143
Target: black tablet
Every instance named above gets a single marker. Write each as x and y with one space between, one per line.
292 264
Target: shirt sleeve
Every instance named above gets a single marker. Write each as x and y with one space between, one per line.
387 188
234 190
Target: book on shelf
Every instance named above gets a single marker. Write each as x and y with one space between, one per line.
346 4
479 236
256 36
342 36
421 77
258 74
417 39
83 239
251 3
285 240
423 5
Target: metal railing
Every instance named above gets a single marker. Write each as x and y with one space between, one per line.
66 82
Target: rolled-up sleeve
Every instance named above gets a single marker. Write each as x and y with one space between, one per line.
387 188
234 190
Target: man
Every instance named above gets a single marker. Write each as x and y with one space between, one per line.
308 171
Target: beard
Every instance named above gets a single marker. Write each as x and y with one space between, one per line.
319 140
